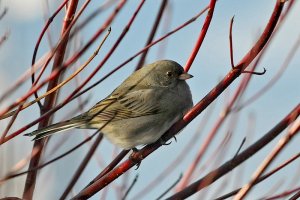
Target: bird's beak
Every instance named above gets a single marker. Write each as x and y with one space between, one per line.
185 76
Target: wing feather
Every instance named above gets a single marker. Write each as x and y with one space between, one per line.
131 105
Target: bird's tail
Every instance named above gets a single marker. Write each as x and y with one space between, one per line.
56 128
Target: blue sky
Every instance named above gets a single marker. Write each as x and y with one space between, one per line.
24 21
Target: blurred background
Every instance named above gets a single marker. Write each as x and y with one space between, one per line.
23 23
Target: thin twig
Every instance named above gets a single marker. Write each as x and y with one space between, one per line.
85 161
82 67
231 43
130 187
55 72
106 5
142 50
45 115
283 194
13 175
4 37
82 166
237 160
63 37
269 159
3 13
67 100
47 24
295 196
255 73
247 59
99 32
181 157
195 111
49 103
19 82
113 163
152 33
275 78
202 35
240 147
169 188
264 177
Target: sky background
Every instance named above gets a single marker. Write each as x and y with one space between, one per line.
24 22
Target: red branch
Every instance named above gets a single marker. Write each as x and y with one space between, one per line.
13 175
56 71
285 194
97 34
49 103
195 111
113 163
201 36
264 177
49 21
82 166
240 158
219 122
152 33
68 99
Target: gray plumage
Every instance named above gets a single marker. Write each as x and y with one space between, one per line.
139 111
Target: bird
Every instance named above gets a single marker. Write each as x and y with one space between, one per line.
139 111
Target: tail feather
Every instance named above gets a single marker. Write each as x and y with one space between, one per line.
55 128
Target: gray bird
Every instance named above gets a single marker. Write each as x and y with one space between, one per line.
139 111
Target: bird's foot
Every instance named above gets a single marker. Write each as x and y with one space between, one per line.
135 157
175 138
163 142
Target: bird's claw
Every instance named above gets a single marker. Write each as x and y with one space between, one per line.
135 158
175 138
163 142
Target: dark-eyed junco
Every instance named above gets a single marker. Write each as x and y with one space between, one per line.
140 110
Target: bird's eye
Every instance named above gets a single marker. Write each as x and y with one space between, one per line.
169 73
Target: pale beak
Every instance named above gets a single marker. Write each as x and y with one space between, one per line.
185 76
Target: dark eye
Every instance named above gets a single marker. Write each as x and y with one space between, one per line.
169 73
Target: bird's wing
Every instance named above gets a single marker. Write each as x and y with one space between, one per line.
130 105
